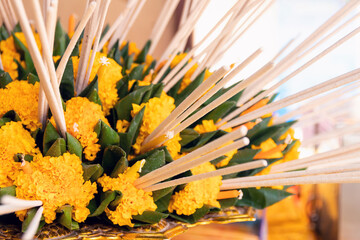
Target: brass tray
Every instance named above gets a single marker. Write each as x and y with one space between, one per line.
165 229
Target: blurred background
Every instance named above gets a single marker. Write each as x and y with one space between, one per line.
314 212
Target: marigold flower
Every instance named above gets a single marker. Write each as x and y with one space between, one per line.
133 202
14 139
108 75
122 126
56 181
269 149
196 194
156 111
81 116
22 97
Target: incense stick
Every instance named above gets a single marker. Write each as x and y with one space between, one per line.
236 134
298 97
293 174
229 194
33 226
351 177
219 172
196 162
69 49
40 67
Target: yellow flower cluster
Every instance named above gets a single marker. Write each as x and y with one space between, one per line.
81 116
209 126
22 97
156 111
14 139
196 194
133 202
9 53
109 73
56 181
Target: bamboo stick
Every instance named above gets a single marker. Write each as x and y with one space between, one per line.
198 92
219 172
33 226
196 162
302 173
332 153
69 49
207 148
88 38
297 97
10 200
111 31
128 26
283 49
5 17
290 60
240 86
102 17
352 177
40 66
161 23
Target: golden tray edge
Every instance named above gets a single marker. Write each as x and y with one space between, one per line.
165 229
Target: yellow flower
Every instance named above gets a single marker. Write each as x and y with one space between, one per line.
109 74
122 126
22 97
209 126
133 202
95 68
56 181
156 111
177 59
269 149
81 116
14 139
196 194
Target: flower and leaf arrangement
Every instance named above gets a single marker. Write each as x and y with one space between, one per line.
93 128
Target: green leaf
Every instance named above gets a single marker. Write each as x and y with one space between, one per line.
31 78
157 90
189 89
22 73
66 218
200 212
93 86
261 198
154 161
60 40
202 140
141 58
29 217
151 66
168 157
116 201
188 135
12 115
229 202
73 145
242 156
107 135
128 61
257 128
129 138
122 87
158 194
5 79
150 217
50 136
163 203
114 160
28 60
3 33
124 106
57 149
136 73
106 199
92 171
274 131
94 97
11 190
220 111
67 89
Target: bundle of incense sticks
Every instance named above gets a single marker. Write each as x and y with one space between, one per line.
93 127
